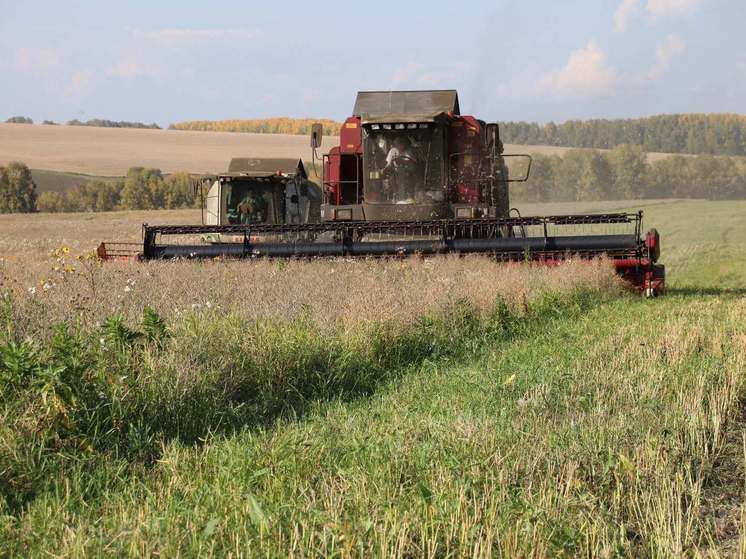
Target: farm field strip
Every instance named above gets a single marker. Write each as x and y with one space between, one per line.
111 151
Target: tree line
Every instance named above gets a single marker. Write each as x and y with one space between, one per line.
103 123
580 175
714 134
100 122
141 189
19 120
625 173
281 125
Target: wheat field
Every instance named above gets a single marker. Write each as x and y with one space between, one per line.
111 151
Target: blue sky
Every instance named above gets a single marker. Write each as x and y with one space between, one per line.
165 61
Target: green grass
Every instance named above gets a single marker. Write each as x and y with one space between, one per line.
562 435
587 425
703 242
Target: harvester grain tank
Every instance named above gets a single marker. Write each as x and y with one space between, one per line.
411 175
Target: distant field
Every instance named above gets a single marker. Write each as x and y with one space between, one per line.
111 151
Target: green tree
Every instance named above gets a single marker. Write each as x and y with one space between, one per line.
540 184
629 172
139 186
567 175
179 191
595 177
17 189
19 120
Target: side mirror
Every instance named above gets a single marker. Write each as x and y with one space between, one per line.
493 138
317 134
523 166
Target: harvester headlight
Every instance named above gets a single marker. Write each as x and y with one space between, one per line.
375 127
412 125
463 212
399 126
343 214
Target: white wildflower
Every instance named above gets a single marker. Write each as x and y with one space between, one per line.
32 290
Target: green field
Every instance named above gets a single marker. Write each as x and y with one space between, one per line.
703 242
347 409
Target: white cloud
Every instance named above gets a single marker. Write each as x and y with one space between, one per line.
586 74
129 69
627 10
78 84
668 49
31 59
670 8
406 74
178 37
414 75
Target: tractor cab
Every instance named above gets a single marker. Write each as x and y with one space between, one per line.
262 191
411 155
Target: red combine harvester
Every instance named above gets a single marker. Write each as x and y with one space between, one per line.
412 176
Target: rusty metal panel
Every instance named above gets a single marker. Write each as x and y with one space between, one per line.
378 105
266 166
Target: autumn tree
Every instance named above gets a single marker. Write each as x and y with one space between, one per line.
141 186
17 189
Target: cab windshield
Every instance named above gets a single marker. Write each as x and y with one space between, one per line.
403 164
250 201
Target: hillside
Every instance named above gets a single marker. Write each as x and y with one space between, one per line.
110 152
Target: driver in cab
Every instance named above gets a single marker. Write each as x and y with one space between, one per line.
400 150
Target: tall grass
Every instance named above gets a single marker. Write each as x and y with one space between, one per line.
575 429
438 408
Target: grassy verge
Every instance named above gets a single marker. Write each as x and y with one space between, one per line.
117 392
580 427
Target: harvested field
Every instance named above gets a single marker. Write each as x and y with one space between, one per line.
111 151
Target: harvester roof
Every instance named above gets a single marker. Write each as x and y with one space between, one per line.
266 167
405 106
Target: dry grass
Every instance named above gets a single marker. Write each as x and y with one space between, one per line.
111 151
348 292
29 238
341 290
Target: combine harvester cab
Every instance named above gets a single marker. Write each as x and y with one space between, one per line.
410 176
268 191
411 155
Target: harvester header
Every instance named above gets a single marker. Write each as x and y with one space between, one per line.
410 175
